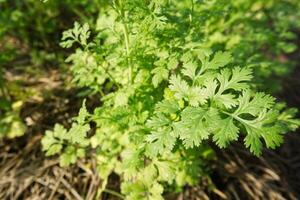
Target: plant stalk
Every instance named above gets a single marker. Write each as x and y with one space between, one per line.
127 46
114 193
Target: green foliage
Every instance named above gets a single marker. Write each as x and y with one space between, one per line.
11 125
78 34
172 76
69 144
30 32
33 28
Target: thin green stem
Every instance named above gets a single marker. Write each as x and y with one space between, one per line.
120 10
126 36
113 79
114 193
192 12
101 93
243 121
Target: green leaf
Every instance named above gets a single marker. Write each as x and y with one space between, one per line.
234 79
53 138
287 118
78 134
262 128
83 114
219 60
179 86
156 192
265 124
167 107
132 162
226 132
158 120
166 170
121 98
134 190
54 149
193 127
78 34
194 95
253 142
160 74
227 100
160 141
197 96
173 63
254 105
68 156
189 70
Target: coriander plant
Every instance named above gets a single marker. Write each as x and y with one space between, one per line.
167 88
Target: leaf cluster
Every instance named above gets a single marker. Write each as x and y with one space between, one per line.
171 79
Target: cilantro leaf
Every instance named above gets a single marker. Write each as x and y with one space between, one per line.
227 132
160 141
179 86
160 74
234 79
78 34
219 60
194 95
193 127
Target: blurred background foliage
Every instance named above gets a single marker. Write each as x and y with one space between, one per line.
261 33
30 33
